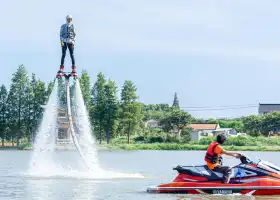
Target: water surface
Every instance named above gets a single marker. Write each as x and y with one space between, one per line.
126 175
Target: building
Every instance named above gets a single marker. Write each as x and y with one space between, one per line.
201 127
202 130
274 132
152 124
205 130
268 108
226 131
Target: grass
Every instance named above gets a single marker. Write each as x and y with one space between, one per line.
239 143
24 146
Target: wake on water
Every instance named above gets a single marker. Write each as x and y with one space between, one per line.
43 165
64 173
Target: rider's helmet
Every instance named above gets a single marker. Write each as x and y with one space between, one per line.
221 138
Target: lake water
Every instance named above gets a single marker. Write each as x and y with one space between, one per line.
127 175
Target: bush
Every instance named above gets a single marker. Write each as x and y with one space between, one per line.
186 139
273 141
24 145
155 139
140 139
253 141
120 140
172 139
193 142
206 140
236 141
186 135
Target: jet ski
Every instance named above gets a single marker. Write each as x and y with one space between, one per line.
248 177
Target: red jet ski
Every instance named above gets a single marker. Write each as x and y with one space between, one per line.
251 178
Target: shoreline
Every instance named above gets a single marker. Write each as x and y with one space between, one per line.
186 147
158 146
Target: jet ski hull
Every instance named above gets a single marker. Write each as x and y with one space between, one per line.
262 187
261 178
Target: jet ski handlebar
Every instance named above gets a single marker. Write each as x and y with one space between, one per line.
245 160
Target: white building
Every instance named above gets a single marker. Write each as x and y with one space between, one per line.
202 130
226 131
205 130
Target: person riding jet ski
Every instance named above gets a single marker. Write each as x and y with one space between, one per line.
213 157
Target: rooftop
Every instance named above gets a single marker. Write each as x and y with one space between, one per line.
203 126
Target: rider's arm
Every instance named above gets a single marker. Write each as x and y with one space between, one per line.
230 153
74 32
61 33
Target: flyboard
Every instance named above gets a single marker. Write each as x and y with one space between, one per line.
67 76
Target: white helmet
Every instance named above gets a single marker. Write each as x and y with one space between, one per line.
69 16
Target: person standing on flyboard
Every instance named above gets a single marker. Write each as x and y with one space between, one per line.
67 40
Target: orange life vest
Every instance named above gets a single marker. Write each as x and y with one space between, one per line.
211 156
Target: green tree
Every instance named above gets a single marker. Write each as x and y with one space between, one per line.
200 121
50 88
186 134
176 119
12 113
98 109
110 109
39 97
176 101
16 100
253 125
154 111
153 114
34 123
270 122
85 83
28 111
3 112
164 107
130 108
236 124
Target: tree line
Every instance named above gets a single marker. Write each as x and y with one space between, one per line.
114 112
21 106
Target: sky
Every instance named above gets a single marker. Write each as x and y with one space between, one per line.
212 53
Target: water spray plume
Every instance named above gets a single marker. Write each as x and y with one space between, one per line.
77 122
45 137
83 127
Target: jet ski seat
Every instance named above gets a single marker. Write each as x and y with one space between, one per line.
201 170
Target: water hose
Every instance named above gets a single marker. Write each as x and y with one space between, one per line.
72 131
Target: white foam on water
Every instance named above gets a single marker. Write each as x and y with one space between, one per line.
52 171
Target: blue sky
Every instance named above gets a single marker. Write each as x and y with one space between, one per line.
212 53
